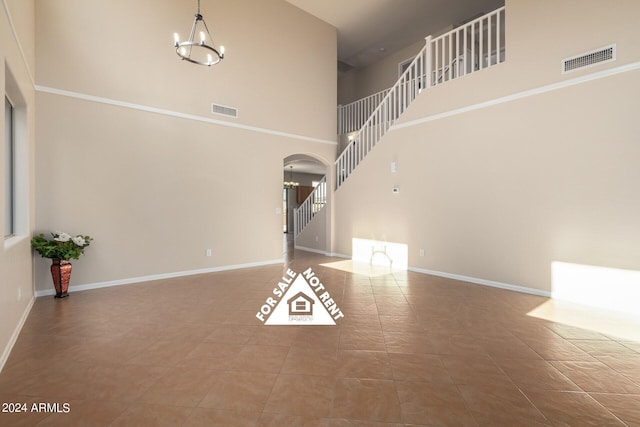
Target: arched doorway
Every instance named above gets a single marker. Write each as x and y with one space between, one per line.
306 192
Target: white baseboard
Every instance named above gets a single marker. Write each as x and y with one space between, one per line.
475 280
339 255
469 279
132 280
315 251
16 332
321 252
483 282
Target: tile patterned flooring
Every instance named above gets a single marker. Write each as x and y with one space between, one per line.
412 349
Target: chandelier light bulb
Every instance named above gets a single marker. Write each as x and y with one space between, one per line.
222 50
176 39
201 37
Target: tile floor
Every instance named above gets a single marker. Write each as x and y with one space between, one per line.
412 349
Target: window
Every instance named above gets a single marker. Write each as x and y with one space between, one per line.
15 163
9 167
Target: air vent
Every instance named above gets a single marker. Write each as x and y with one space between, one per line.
589 59
223 110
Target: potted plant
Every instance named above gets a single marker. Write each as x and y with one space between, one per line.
61 248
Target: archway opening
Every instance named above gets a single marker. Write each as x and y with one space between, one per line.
304 181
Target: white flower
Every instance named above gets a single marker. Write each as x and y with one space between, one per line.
61 237
79 240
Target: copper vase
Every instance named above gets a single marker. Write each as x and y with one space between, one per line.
61 273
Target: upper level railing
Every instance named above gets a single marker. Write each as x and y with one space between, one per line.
352 116
311 206
471 47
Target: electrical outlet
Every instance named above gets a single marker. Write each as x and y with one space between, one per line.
208 252
317 238
19 294
421 252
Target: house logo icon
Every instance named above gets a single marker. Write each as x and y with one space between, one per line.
301 306
299 299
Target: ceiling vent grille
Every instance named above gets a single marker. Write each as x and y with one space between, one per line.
223 110
589 59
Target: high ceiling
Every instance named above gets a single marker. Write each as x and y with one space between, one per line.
371 29
368 30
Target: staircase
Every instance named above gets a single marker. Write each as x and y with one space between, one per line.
310 207
471 47
468 48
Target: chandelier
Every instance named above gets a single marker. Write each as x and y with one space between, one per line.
198 51
292 183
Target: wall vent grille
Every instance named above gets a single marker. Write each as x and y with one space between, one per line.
223 110
589 59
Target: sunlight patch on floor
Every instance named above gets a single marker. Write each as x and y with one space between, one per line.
603 287
374 258
380 253
362 268
611 323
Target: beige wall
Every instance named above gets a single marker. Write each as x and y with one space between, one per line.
16 284
314 235
499 192
278 69
154 188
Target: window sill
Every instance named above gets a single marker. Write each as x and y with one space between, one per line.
12 241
